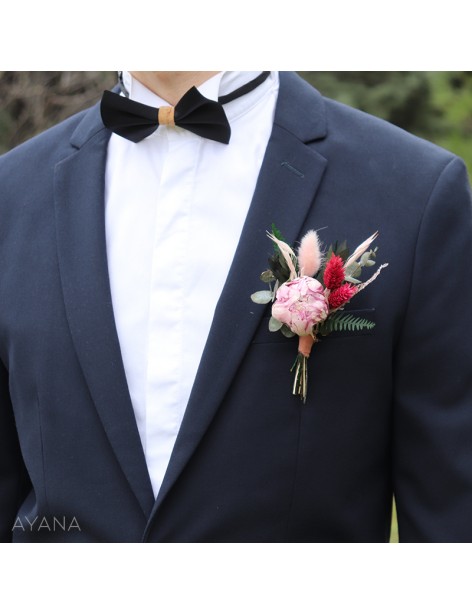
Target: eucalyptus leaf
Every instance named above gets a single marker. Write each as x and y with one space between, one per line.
262 297
274 325
267 277
285 330
364 258
352 280
368 258
353 270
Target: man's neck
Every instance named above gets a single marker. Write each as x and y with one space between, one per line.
171 86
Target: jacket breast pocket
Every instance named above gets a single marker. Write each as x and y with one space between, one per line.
354 328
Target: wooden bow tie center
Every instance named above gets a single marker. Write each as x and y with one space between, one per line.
165 116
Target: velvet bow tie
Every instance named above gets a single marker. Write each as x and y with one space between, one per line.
135 121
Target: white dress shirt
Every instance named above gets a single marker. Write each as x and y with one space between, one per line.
175 207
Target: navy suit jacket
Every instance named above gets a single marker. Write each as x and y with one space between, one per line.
389 410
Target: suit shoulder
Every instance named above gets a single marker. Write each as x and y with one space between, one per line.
27 171
356 139
42 150
363 133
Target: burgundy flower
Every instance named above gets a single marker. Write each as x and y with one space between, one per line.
334 273
341 295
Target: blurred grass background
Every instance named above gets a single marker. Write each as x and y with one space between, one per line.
433 105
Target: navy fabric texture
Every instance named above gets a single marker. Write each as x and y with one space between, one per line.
388 412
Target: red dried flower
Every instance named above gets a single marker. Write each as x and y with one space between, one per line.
334 273
342 295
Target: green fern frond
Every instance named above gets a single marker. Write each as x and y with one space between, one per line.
342 322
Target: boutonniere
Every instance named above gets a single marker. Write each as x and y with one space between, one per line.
309 291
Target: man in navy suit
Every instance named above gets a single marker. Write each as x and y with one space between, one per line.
100 442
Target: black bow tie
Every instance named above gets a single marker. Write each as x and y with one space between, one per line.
135 121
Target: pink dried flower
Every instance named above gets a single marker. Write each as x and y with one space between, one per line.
309 254
300 304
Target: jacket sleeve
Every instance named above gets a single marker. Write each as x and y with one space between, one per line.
13 477
432 412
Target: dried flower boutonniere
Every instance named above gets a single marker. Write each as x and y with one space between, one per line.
310 290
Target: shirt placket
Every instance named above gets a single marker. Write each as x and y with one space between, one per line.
170 267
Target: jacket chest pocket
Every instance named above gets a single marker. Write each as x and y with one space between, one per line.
353 328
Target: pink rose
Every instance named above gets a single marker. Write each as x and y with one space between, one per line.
300 304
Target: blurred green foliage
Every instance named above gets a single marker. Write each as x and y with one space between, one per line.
452 94
434 105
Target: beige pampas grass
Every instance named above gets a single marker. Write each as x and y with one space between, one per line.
287 253
309 254
363 247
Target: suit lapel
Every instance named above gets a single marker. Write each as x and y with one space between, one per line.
79 200
288 181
